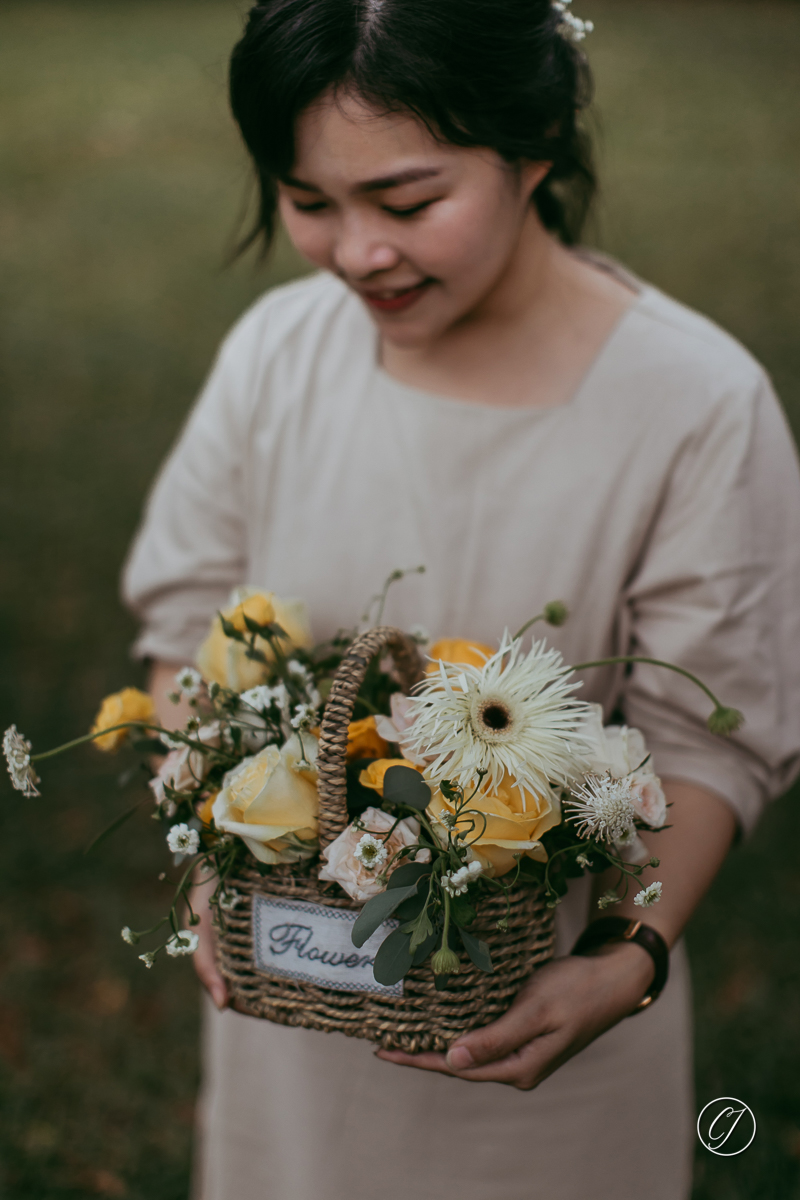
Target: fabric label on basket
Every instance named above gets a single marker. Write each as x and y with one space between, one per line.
310 942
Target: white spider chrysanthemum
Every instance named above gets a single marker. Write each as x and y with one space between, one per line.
602 807
515 715
183 942
17 750
183 840
370 852
648 896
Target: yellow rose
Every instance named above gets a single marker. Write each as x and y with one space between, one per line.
206 810
458 650
128 705
372 776
222 660
515 822
271 804
364 741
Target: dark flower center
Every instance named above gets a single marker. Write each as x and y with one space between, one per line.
495 717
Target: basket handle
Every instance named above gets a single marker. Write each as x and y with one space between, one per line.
332 780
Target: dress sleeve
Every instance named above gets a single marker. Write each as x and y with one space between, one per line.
190 550
717 591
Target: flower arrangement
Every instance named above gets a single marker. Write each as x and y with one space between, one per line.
490 774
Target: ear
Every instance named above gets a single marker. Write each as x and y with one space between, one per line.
531 174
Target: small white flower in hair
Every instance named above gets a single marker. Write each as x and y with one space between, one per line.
570 26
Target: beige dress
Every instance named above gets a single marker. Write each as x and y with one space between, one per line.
662 503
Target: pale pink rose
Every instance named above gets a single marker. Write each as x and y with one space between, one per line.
396 728
341 865
184 768
648 798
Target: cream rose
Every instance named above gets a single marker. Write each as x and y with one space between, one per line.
223 660
620 751
340 864
270 801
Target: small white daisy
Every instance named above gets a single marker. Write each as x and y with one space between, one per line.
371 852
148 959
420 635
582 860
189 682
602 807
183 942
455 883
17 750
228 901
259 698
183 840
305 715
648 896
129 936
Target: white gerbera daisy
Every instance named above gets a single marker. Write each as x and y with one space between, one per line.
515 715
602 807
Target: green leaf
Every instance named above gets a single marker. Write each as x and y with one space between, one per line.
409 873
230 630
478 951
113 827
375 912
404 785
427 948
423 929
463 912
410 908
394 959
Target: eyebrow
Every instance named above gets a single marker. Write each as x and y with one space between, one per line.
372 185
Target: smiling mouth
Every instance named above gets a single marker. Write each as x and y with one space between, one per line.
396 299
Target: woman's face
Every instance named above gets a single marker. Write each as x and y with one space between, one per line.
426 233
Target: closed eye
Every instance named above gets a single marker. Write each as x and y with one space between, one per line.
407 212
317 206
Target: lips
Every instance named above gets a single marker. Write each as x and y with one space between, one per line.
396 299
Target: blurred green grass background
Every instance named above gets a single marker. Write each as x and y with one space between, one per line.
122 182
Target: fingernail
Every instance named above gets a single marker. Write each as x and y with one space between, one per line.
459 1058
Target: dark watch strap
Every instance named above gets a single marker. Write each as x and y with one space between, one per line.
607 930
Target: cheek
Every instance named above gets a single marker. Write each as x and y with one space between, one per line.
468 238
310 236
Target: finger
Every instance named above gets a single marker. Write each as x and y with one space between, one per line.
212 981
424 1062
494 1042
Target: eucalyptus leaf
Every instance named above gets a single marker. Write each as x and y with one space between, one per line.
410 908
376 911
478 951
409 873
404 785
394 959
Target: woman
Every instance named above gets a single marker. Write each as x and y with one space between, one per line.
460 386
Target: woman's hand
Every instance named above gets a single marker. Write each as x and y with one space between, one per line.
205 963
563 1007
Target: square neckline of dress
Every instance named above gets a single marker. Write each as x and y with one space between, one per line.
526 411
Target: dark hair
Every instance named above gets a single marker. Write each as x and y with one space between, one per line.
495 73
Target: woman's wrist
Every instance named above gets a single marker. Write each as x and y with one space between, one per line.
640 947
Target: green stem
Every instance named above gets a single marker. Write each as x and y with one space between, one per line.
539 617
90 737
654 662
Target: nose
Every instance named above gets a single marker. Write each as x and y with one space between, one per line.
362 248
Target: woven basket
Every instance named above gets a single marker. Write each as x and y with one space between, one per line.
422 1018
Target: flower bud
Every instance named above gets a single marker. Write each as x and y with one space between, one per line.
725 721
556 613
445 962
